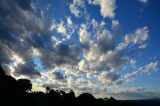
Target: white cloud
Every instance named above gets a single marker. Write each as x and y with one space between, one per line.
83 65
61 28
100 50
38 87
84 35
75 11
65 27
69 22
35 52
107 7
150 67
115 24
134 93
145 70
76 7
143 1
143 46
139 37
133 61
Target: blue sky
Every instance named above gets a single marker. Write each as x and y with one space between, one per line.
104 47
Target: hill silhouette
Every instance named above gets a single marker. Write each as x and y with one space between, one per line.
18 93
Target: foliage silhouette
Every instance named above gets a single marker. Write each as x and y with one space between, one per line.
24 84
18 93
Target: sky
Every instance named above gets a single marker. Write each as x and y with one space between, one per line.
103 47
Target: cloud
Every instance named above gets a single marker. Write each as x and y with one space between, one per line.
18 22
83 65
143 46
143 1
53 78
62 53
147 69
107 7
51 85
108 77
64 28
58 75
61 29
150 67
69 21
133 93
76 7
100 49
140 36
133 61
28 70
116 28
84 36
25 33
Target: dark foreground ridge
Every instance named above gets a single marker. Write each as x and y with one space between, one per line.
18 93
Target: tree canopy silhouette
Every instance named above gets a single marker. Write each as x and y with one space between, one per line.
25 85
15 93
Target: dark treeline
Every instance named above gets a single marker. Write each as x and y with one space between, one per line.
18 93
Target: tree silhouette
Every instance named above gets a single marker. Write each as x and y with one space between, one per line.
2 73
86 99
15 93
25 85
47 89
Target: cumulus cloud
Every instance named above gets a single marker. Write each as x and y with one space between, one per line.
108 77
54 78
61 28
28 69
15 33
69 22
103 54
84 36
100 50
107 7
64 28
26 34
76 7
83 65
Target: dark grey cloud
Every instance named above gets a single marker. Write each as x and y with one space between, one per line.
23 28
61 54
19 18
28 69
109 78
105 41
19 28
24 4
51 85
4 57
